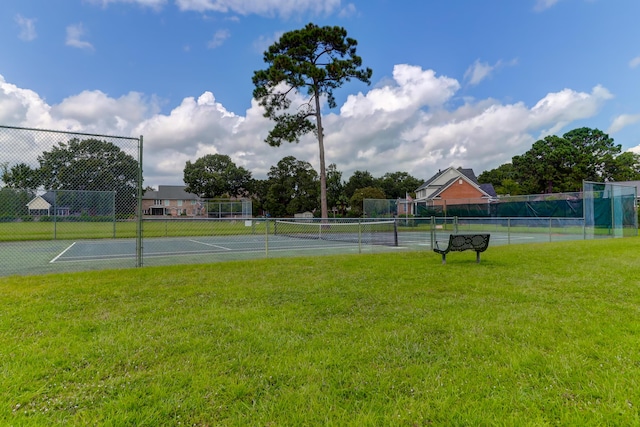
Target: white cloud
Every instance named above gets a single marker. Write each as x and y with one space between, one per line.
635 62
75 33
218 39
348 11
27 28
413 88
153 4
95 111
405 124
541 5
283 8
623 121
479 71
263 42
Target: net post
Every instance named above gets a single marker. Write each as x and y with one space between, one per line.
395 233
433 230
113 209
266 236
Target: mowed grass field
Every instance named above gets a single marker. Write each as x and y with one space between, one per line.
540 334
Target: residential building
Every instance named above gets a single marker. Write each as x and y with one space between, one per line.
454 186
43 205
172 200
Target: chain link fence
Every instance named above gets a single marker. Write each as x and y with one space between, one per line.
72 201
65 189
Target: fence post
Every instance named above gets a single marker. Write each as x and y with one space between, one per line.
139 241
266 237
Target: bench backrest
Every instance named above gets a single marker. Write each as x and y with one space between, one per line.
462 242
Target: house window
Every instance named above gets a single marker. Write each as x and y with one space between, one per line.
193 202
167 202
157 202
180 202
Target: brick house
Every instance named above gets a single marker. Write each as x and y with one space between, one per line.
454 186
171 200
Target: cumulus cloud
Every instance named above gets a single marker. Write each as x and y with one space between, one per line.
27 28
411 89
405 124
623 121
635 62
75 33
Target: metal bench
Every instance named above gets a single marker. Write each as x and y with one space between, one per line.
463 242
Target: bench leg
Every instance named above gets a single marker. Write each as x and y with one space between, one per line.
478 257
444 258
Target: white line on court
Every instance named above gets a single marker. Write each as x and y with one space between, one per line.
209 244
62 253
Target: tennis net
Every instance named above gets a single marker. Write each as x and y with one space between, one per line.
369 233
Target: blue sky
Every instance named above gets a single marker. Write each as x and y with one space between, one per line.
455 83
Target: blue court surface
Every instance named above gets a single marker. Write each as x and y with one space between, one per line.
38 257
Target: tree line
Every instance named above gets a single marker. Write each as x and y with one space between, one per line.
558 164
293 186
88 165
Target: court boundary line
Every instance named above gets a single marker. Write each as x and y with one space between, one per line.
62 253
209 244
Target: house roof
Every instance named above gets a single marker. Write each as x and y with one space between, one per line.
172 192
468 175
488 188
48 197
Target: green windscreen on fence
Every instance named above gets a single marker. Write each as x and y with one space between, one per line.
610 208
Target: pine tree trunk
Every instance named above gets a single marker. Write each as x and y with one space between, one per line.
323 171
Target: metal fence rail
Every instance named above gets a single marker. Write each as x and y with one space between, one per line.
73 201
33 247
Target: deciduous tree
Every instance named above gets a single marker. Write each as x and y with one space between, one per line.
216 175
359 179
293 188
364 193
91 165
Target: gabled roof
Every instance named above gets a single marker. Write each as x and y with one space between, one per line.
488 188
48 197
466 174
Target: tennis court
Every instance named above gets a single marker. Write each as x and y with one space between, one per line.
37 257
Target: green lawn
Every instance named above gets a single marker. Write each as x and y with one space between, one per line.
540 334
22 231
